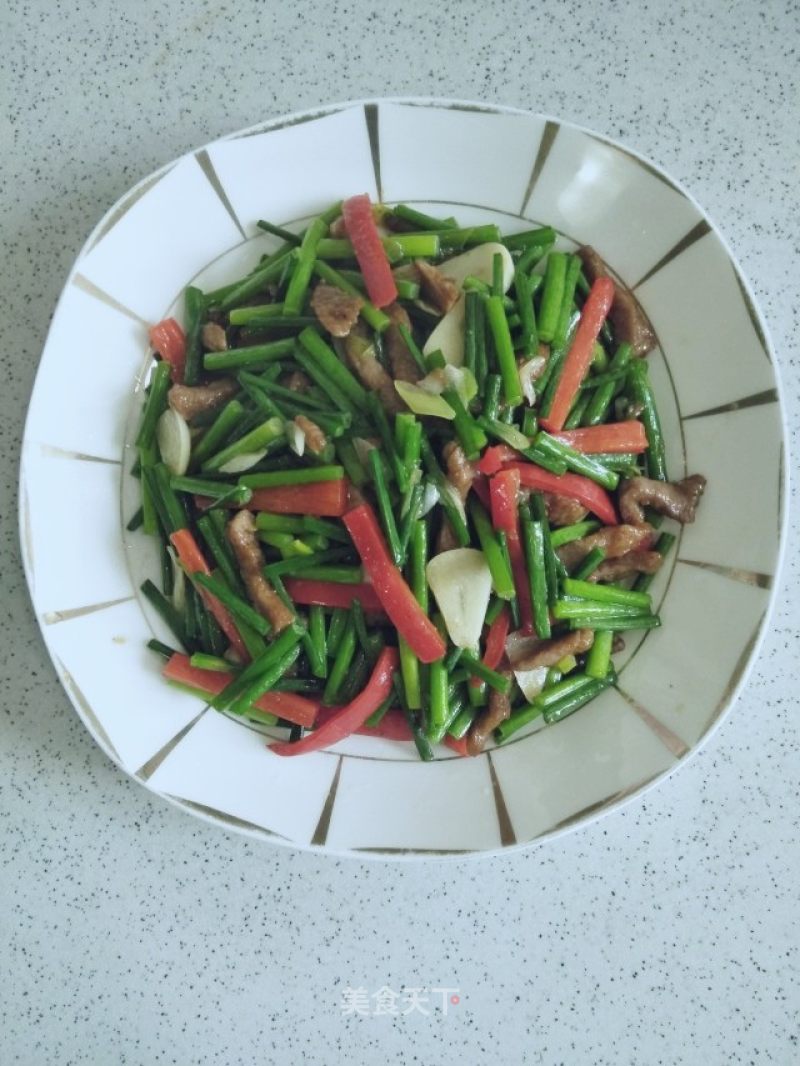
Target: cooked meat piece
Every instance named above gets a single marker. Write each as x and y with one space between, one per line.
628 319
337 228
446 539
214 337
614 540
297 381
481 729
618 644
336 310
675 499
439 290
460 473
400 358
241 531
316 441
368 369
637 562
562 511
193 400
552 651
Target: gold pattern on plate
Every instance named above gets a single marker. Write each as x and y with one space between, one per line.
220 816
127 204
695 233
744 577
53 452
321 832
89 287
146 771
507 835
757 399
671 741
285 124
51 618
74 690
205 164
736 673
371 119
752 313
599 805
549 134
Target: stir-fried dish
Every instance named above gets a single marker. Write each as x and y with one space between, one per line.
408 479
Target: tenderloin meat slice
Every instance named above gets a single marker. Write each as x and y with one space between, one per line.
460 471
316 441
487 721
241 532
636 562
404 368
335 309
614 540
370 372
214 337
191 401
675 499
438 289
549 652
628 319
460 474
562 511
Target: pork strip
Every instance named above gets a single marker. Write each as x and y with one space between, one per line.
335 309
487 721
241 532
550 652
437 288
675 499
404 368
627 317
191 401
635 562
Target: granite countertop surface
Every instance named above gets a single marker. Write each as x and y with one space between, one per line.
133 934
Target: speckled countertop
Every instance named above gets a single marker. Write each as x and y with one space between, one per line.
130 933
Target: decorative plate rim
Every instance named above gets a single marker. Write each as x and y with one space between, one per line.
231 822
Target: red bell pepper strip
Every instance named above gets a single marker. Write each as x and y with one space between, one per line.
504 488
495 647
331 594
504 497
491 462
397 599
480 486
369 250
573 486
615 437
393 726
193 562
598 304
326 499
352 716
458 746
288 705
496 639
169 341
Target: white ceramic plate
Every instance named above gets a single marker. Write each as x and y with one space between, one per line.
718 394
